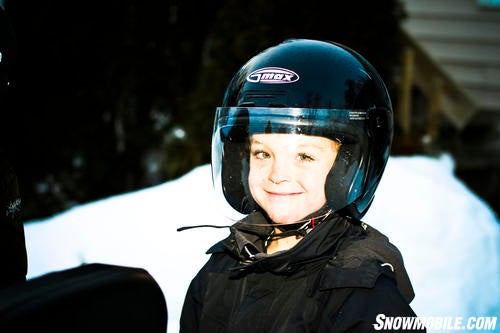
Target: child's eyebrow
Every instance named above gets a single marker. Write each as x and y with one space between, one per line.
252 141
312 145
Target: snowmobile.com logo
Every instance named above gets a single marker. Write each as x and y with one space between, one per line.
483 324
273 75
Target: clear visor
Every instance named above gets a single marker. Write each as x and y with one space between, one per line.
234 126
238 123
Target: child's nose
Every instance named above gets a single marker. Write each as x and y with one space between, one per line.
280 171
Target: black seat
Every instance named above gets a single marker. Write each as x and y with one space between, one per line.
89 298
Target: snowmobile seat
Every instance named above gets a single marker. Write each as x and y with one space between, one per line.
89 298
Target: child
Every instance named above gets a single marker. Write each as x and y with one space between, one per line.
299 147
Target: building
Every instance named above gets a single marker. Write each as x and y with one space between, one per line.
449 98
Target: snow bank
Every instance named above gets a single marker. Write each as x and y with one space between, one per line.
448 236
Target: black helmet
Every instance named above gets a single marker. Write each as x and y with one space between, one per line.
314 88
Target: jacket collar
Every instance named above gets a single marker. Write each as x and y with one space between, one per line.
247 238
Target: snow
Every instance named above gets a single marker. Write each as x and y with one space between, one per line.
448 236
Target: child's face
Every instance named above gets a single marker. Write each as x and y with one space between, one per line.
288 173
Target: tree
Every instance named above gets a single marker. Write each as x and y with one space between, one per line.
117 95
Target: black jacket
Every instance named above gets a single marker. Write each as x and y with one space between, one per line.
336 279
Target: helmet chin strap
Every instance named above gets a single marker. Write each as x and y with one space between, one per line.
299 228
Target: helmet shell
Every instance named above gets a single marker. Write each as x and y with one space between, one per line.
306 87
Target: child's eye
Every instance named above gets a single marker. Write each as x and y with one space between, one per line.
260 154
305 157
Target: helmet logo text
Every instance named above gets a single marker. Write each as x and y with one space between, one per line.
273 75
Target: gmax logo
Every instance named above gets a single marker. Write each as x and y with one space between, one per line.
273 75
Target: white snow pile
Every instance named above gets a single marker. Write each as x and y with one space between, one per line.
449 238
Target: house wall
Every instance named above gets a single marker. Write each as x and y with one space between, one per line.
455 87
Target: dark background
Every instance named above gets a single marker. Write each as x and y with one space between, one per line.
112 96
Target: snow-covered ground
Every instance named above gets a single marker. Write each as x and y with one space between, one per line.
449 238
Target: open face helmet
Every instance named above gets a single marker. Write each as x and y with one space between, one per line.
306 87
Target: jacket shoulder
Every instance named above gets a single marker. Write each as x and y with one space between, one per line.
361 259
353 272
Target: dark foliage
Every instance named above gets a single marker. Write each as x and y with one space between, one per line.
113 96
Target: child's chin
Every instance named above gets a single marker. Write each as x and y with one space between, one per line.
284 218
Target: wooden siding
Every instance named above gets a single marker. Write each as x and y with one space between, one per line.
462 41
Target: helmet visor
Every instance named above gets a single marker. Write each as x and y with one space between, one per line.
239 123
234 126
